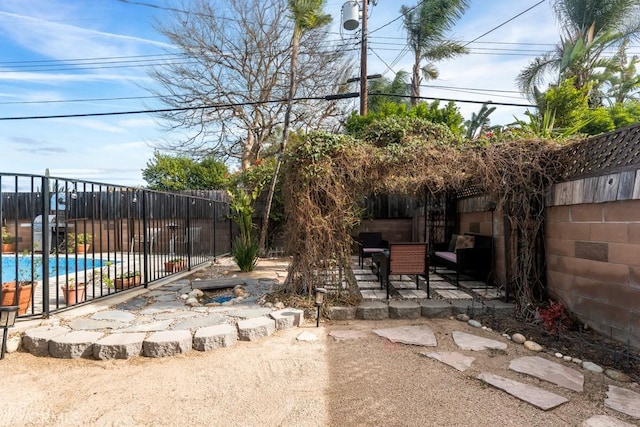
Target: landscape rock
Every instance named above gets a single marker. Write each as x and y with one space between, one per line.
518 338
474 323
462 317
13 343
617 376
590 366
533 346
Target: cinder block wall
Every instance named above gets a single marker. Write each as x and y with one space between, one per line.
393 230
593 264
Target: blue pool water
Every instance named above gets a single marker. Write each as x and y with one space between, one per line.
63 266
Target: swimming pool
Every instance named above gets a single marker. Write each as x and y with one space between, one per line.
63 266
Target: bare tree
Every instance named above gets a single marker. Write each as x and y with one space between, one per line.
234 60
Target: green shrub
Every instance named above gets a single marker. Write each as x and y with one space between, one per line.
245 253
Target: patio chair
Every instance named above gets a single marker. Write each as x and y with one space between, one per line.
192 236
408 259
148 238
370 243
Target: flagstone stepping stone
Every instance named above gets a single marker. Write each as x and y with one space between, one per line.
307 336
605 421
473 342
623 400
347 335
535 396
413 335
550 371
452 358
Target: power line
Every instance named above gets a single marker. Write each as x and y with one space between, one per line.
506 104
504 23
177 109
244 104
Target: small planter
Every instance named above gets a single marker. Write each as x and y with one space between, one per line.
82 248
127 282
24 296
174 266
74 294
8 248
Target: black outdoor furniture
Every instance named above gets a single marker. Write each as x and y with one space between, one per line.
370 243
476 259
403 258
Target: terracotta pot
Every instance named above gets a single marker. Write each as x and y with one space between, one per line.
126 282
8 247
24 296
174 266
82 249
75 294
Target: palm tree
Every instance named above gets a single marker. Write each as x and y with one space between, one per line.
479 121
306 15
427 25
622 76
589 27
395 91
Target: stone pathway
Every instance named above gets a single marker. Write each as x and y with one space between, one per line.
564 378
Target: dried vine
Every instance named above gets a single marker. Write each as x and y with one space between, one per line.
326 176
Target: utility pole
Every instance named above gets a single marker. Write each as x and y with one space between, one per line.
364 98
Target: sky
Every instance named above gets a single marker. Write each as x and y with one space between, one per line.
62 57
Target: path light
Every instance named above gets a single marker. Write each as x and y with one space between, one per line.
319 300
7 320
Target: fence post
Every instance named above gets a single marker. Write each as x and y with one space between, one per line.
44 205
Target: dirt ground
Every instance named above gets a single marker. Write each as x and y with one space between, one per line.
279 381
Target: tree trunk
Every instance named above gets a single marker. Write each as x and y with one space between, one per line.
415 82
283 144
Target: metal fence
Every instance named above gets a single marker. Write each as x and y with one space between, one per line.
68 242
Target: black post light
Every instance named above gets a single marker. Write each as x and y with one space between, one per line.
7 320
319 300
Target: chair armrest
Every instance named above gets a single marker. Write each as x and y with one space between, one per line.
474 258
441 247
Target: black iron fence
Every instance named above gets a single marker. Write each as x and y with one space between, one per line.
67 242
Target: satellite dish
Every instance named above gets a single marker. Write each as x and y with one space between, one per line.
350 15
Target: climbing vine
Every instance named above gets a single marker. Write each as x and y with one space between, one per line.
326 176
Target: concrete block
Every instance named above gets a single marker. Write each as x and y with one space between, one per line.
341 313
36 341
402 309
255 328
435 309
74 344
167 343
119 346
217 336
287 318
372 310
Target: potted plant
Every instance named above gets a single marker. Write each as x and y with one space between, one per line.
80 242
127 280
74 292
8 241
174 265
20 292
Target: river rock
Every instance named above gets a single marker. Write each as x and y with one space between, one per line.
518 338
462 317
239 291
558 355
567 358
13 343
532 345
576 361
617 376
474 323
590 366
